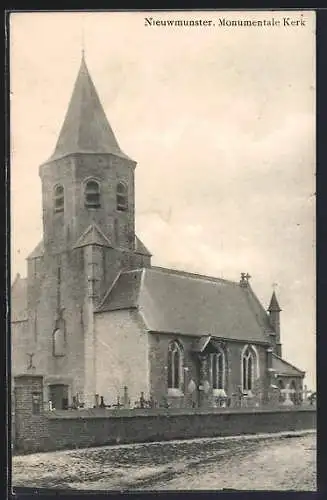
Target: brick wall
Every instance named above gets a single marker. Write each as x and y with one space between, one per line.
97 430
78 429
30 427
158 355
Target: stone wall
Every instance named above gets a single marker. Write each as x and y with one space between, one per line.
30 424
95 427
122 356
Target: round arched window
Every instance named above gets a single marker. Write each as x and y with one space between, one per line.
59 198
121 197
59 342
92 194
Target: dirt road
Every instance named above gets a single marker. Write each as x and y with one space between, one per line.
280 462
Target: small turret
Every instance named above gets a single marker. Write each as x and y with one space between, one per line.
274 316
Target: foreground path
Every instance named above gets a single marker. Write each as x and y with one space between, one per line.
275 462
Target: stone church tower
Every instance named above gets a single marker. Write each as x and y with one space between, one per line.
88 238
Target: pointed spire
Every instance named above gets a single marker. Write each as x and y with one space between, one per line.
274 306
83 46
86 128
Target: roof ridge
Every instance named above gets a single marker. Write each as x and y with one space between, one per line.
287 363
141 285
132 270
143 250
38 251
17 279
188 274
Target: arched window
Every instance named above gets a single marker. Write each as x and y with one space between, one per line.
217 370
92 194
121 197
249 368
59 198
175 366
59 342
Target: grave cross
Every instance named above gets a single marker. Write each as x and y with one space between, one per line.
287 391
245 279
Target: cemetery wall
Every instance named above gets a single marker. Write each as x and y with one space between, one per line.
40 430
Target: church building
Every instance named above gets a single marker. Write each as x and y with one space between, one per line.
96 319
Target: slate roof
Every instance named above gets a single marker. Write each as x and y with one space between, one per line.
274 306
200 344
140 247
124 294
258 310
282 367
38 251
190 304
86 128
93 236
19 299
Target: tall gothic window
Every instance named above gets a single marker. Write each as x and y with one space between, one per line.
59 198
92 194
248 369
121 197
217 369
59 342
175 368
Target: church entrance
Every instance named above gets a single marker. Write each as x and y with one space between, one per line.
58 395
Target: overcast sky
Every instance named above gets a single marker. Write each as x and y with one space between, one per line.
222 124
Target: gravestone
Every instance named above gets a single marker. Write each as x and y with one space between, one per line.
287 392
273 396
